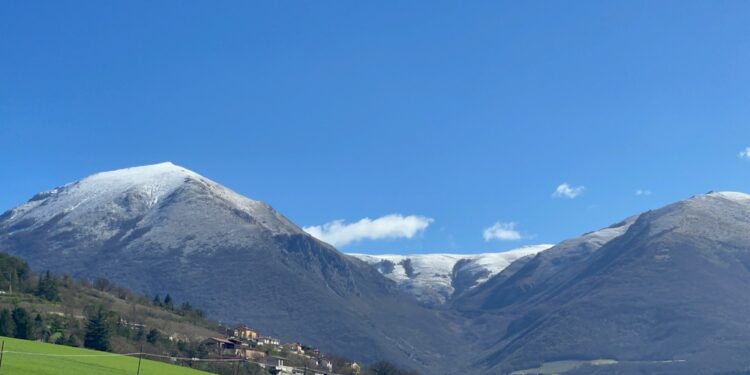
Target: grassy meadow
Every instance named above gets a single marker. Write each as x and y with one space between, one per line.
49 359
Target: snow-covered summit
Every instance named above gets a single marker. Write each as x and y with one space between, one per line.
731 195
151 182
434 278
105 200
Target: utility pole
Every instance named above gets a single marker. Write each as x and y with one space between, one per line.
237 368
140 356
2 352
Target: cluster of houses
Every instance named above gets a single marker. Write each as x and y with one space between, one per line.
245 343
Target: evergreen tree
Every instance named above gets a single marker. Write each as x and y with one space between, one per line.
157 300
23 323
139 334
7 327
153 336
47 287
72 341
186 307
168 302
40 329
97 331
15 274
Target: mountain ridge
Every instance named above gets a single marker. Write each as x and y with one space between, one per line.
658 292
435 278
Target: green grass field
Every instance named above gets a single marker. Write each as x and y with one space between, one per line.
94 363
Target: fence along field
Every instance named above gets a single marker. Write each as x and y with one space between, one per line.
23 357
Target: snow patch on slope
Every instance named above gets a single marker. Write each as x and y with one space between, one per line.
431 278
731 195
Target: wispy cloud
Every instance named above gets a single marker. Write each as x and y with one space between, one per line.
339 233
502 231
744 154
641 192
566 191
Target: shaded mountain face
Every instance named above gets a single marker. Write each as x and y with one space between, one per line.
434 279
162 228
666 294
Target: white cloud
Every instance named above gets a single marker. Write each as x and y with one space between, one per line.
566 191
339 233
745 154
502 231
640 192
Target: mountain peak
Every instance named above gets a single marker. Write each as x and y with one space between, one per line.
138 193
150 183
159 172
731 195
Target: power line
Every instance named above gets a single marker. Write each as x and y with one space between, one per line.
140 354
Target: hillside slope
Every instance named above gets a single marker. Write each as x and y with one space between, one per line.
163 228
671 287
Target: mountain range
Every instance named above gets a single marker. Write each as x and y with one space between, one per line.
662 291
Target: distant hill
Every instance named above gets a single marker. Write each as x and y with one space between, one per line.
162 228
434 279
662 292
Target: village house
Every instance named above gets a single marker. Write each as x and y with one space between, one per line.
243 332
276 366
265 340
251 354
295 348
324 363
313 352
219 345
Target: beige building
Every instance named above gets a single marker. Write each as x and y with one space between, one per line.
244 332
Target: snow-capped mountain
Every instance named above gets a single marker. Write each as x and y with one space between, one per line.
164 229
435 278
669 283
102 201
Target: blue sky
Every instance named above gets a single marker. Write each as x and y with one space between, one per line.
466 114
